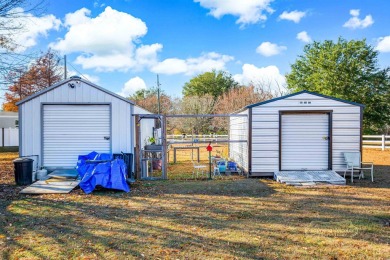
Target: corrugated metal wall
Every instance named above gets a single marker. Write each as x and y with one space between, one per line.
238 130
30 116
265 130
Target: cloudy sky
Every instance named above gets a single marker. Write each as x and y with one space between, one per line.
123 44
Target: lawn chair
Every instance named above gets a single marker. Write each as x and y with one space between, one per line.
198 169
354 162
216 171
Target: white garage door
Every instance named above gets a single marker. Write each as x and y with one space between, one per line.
71 130
305 142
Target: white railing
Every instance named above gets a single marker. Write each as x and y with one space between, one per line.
376 141
9 137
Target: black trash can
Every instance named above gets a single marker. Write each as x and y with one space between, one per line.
23 171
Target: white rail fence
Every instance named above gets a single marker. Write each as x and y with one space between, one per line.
376 141
9 137
196 138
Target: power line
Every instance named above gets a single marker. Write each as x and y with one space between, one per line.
81 74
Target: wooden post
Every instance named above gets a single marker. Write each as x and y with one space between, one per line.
383 142
210 165
2 136
137 148
164 148
174 154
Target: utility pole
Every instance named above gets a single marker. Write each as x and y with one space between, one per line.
158 95
65 72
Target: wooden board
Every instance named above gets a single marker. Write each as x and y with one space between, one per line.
49 187
59 181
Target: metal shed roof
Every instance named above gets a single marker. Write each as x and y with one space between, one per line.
69 80
301 92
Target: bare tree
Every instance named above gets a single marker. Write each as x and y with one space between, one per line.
11 12
236 99
196 105
42 73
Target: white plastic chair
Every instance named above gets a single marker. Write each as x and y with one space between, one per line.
198 168
354 162
216 171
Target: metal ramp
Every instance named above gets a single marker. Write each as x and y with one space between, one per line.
308 178
59 181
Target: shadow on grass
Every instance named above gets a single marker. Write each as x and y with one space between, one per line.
194 220
223 218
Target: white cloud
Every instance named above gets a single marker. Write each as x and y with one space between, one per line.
107 42
32 26
303 36
267 77
354 12
191 66
383 44
111 42
294 16
270 49
356 23
146 55
131 86
247 11
170 66
78 17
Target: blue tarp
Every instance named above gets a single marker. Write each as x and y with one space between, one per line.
99 169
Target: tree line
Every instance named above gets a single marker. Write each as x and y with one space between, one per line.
214 92
344 69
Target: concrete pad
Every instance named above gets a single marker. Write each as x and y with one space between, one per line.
51 186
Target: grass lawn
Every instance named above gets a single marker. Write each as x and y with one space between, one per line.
229 218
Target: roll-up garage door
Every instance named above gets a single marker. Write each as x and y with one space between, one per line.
71 130
305 141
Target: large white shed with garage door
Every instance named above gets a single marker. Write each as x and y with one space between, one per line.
301 131
74 117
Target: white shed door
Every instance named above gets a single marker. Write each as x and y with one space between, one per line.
72 130
305 142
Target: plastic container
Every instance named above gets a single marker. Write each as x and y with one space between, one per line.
23 169
232 166
222 166
41 174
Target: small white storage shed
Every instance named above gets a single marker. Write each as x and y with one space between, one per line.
301 131
74 117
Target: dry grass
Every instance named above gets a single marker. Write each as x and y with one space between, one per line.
233 218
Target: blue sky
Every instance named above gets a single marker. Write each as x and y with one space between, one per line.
122 45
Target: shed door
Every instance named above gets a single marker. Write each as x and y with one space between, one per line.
72 130
305 142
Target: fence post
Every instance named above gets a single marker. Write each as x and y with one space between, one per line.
2 137
383 142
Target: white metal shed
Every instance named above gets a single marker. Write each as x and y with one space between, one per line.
301 131
74 117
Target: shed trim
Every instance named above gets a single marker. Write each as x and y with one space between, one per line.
20 131
43 91
250 141
302 92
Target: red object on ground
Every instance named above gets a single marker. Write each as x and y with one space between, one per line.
209 148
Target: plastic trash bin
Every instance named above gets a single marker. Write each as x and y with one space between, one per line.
23 171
